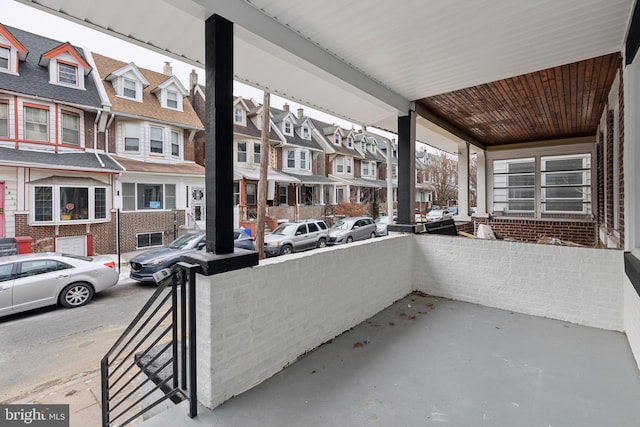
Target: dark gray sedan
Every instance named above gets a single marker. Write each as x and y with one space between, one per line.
36 280
350 229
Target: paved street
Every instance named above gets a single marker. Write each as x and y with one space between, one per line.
50 345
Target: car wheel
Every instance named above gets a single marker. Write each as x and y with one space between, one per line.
349 239
76 295
373 235
322 243
286 250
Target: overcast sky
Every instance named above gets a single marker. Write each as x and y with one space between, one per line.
30 19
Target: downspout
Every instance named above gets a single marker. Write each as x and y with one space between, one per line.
95 138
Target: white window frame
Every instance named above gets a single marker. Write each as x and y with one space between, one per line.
340 164
159 131
349 166
70 214
175 143
7 49
238 115
170 100
62 73
4 117
306 134
77 118
350 141
585 175
131 131
135 89
241 153
135 198
287 127
257 155
337 139
36 123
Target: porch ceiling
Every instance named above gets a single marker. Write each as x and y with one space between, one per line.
367 61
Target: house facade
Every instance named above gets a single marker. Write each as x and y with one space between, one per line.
56 185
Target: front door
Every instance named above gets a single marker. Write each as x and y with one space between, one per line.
197 205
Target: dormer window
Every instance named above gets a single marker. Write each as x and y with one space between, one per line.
5 54
305 132
129 89
337 138
350 142
67 73
238 115
172 99
288 129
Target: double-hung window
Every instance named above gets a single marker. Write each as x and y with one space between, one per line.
148 196
67 73
349 161
131 136
36 124
303 160
287 127
242 152
4 119
70 128
175 144
156 141
252 193
291 159
514 186
129 89
365 169
5 54
256 153
172 99
340 165
238 115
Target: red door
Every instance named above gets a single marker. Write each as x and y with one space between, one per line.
2 209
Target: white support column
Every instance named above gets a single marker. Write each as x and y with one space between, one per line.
481 183
322 194
463 181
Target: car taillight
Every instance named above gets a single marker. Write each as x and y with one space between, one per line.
110 264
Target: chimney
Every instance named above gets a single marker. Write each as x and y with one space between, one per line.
166 69
193 78
300 113
285 107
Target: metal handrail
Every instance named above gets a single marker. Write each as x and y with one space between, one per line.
167 321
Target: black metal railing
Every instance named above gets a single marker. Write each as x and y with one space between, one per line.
155 358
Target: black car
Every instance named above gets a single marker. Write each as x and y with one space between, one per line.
145 264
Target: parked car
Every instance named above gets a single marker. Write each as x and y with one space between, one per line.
29 281
146 263
453 210
438 215
296 236
351 229
381 225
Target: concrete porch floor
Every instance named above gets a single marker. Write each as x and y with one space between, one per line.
427 360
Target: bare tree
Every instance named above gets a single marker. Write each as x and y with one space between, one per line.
443 169
473 179
264 173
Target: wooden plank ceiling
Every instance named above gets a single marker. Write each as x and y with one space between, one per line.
560 102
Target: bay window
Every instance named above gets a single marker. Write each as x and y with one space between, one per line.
60 202
291 159
70 128
303 160
4 119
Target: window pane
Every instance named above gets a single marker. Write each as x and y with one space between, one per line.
175 144
36 124
129 89
236 193
100 203
4 57
521 193
67 73
251 194
131 137
74 203
70 127
242 152
4 119
566 185
256 152
170 196
565 193
303 160
172 99
149 239
291 159
43 203
564 178
521 180
562 165
521 205
150 196
156 140
565 206
128 196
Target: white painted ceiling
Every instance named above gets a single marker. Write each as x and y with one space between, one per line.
366 60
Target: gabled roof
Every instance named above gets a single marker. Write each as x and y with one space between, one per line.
22 51
328 131
295 139
173 80
34 78
250 129
128 68
150 107
59 50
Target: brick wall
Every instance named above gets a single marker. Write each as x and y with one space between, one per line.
531 230
103 234
599 209
609 172
133 223
621 154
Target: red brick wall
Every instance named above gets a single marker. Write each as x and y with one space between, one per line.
599 209
132 223
621 151
103 234
609 171
529 230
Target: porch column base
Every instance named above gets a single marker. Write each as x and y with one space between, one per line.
403 228
212 263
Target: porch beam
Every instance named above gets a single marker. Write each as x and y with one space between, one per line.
437 120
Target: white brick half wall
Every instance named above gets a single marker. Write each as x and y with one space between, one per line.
575 284
253 322
632 318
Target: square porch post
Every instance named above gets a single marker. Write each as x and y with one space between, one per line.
406 172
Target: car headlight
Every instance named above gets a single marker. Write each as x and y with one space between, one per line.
156 262
274 243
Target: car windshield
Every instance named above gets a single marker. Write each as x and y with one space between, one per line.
185 241
340 225
287 229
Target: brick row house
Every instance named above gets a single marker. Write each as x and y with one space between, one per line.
93 149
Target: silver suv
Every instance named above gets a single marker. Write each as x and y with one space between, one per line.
296 236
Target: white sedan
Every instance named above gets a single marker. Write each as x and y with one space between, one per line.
36 280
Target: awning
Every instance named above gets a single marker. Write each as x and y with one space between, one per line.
360 182
254 175
312 179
